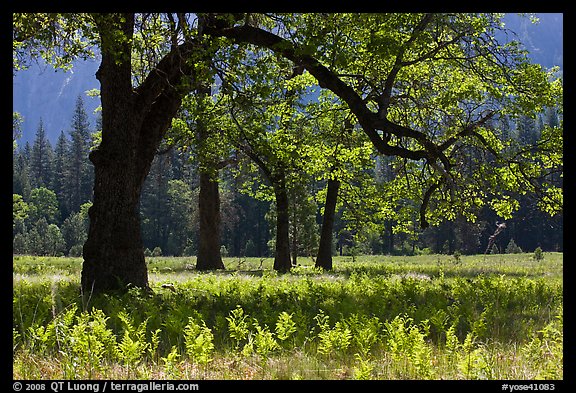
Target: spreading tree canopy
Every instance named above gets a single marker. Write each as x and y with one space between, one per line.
426 89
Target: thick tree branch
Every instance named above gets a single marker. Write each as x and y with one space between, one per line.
326 79
166 75
470 130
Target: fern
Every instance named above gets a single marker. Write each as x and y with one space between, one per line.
365 332
199 341
285 326
364 368
334 340
238 326
171 364
133 346
407 345
264 341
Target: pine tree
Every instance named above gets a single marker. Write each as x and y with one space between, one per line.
17 120
79 172
59 164
40 159
527 132
551 117
21 174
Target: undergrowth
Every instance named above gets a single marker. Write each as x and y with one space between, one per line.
304 325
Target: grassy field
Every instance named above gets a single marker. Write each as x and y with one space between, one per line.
372 317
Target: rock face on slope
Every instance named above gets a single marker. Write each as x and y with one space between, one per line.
43 93
544 40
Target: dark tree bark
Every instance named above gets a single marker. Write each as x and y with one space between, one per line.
113 255
209 256
390 237
324 258
282 261
134 122
294 234
277 178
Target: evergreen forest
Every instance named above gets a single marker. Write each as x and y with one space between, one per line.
52 191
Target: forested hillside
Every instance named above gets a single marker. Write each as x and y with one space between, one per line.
52 192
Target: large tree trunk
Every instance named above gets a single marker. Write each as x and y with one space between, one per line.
324 259
113 254
282 261
209 256
133 124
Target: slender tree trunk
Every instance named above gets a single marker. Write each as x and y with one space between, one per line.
451 238
390 230
209 256
324 258
282 261
294 233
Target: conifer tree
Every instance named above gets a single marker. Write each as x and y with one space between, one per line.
154 204
59 167
16 129
40 159
20 174
79 172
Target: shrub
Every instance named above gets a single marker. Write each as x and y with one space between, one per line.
513 248
75 251
157 252
538 254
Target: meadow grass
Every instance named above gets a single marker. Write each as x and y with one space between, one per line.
372 317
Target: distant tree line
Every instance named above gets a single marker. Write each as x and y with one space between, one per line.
52 191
